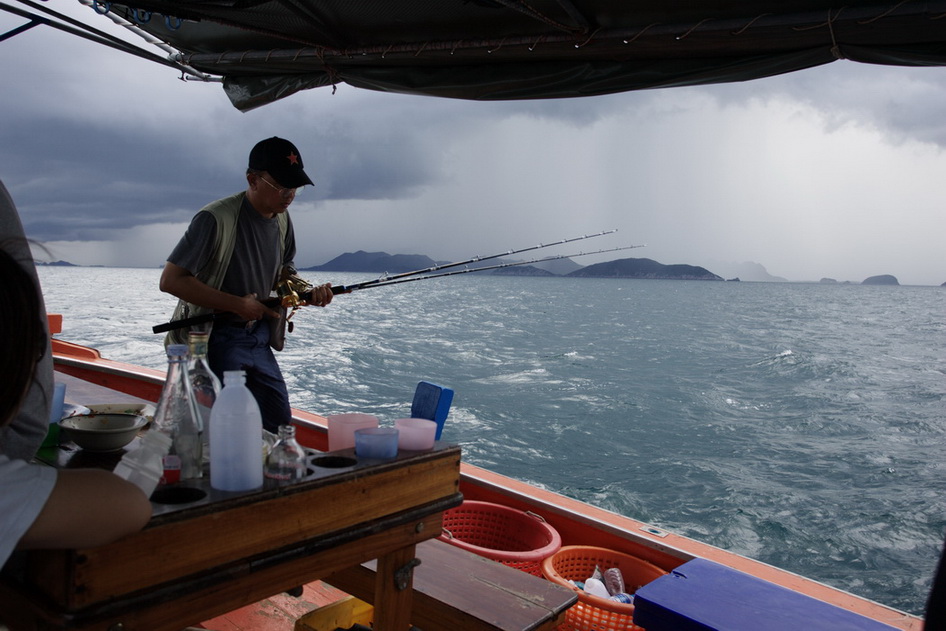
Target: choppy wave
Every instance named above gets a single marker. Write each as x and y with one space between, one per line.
801 425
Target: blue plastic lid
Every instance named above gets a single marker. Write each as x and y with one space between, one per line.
701 595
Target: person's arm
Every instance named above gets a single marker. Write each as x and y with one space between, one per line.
87 508
179 282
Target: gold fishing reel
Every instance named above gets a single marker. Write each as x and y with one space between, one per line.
290 289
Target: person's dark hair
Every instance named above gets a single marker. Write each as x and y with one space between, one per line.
24 336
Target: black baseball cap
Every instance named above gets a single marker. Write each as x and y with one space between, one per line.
280 159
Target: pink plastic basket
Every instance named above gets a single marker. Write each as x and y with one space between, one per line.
515 538
592 613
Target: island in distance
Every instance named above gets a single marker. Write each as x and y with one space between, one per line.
381 262
641 268
883 279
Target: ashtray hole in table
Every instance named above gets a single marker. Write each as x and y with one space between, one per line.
334 462
178 495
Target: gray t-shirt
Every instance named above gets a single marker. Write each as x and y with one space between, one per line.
254 265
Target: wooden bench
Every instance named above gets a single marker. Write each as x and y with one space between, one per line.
456 589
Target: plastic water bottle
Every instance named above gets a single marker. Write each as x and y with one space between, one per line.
286 459
176 415
55 415
595 587
236 430
204 384
144 466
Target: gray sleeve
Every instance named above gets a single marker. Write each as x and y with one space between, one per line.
289 256
23 436
196 246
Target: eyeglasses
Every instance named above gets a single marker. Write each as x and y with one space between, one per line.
285 193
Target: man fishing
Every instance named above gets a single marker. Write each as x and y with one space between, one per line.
229 259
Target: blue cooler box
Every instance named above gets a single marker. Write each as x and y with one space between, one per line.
701 595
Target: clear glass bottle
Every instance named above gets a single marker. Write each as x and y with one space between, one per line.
286 459
236 448
204 384
176 415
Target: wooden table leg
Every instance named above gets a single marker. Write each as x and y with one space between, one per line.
393 590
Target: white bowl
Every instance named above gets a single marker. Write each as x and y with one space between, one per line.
102 432
140 409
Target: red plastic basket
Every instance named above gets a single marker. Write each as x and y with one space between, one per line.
592 613
513 537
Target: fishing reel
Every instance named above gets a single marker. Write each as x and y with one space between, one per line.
291 290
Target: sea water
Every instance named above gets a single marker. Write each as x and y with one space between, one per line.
799 424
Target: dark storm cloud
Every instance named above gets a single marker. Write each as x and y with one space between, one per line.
72 180
369 158
76 180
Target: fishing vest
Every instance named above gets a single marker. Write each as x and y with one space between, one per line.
226 211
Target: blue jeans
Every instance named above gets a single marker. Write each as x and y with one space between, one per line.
238 348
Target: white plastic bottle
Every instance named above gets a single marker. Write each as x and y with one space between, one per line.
144 466
236 430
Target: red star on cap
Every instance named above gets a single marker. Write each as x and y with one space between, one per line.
293 158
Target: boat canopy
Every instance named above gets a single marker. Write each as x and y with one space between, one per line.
521 49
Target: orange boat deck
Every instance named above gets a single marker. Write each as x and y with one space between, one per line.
277 613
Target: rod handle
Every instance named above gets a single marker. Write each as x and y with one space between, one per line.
180 324
336 289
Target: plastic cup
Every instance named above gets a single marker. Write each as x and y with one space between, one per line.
341 429
376 442
59 400
415 434
55 415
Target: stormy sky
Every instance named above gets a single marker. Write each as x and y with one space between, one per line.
832 172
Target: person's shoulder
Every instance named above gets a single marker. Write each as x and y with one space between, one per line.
230 201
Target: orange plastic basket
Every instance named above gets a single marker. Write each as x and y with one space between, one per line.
592 613
513 537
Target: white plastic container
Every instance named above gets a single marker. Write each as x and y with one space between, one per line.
415 434
341 429
143 467
236 429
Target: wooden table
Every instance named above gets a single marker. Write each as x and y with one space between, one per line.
217 551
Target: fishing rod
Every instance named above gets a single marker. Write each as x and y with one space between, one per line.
292 290
343 289
500 266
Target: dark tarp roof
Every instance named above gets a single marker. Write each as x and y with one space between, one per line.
535 49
